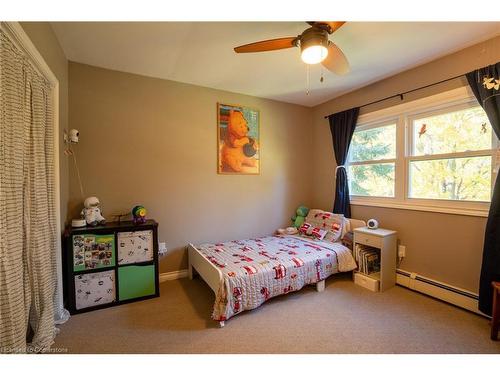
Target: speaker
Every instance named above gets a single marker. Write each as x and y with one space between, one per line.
372 224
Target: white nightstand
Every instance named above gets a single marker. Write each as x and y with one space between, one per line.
386 241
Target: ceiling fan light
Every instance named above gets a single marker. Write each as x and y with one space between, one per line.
314 54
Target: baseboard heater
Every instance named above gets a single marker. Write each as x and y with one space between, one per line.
448 293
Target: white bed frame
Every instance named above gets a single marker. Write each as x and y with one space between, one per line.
199 264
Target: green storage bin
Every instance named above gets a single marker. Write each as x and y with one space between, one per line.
136 281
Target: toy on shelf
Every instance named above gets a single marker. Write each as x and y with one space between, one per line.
92 212
300 216
139 215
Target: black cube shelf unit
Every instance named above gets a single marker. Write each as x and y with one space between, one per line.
109 265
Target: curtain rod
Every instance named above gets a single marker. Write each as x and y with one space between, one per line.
407 92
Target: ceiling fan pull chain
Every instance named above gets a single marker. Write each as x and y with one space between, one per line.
307 80
321 79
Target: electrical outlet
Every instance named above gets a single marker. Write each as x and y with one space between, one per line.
401 251
162 248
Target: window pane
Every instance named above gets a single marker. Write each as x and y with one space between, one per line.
373 144
375 180
456 179
459 131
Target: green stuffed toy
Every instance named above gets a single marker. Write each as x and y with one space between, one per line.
300 216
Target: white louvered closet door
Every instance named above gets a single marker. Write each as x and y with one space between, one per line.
27 204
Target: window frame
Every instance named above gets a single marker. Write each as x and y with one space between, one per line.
403 115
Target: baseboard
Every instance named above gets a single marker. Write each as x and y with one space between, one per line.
166 276
437 289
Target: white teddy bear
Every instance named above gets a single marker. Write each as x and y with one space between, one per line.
92 212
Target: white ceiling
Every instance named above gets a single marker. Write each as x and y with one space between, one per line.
202 53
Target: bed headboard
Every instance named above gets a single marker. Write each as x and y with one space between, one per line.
355 223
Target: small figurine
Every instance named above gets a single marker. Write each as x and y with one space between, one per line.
92 212
139 215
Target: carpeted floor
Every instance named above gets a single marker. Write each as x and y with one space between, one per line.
345 318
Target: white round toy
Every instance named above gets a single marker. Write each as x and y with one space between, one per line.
92 212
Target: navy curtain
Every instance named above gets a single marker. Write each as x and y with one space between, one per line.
485 83
342 126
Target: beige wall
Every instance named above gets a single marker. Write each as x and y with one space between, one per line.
441 246
45 40
153 142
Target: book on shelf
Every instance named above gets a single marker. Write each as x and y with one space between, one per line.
367 258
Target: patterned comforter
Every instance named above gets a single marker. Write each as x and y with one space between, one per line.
255 270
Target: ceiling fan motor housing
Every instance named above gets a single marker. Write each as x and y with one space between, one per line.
313 36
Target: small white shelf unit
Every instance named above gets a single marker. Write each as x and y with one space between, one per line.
386 241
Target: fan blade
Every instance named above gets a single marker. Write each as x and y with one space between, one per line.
330 26
267 45
336 60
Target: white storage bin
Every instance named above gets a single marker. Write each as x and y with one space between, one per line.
93 289
135 247
366 282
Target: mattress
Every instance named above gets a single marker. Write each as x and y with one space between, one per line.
255 270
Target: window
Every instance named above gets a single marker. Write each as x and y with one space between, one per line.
372 160
435 154
451 155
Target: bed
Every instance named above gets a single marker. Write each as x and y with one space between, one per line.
245 273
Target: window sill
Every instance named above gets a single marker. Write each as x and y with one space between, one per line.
480 212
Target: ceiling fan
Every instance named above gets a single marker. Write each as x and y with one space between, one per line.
313 43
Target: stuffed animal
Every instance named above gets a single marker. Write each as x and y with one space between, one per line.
139 215
239 149
92 212
300 216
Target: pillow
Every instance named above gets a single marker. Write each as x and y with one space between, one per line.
307 229
332 223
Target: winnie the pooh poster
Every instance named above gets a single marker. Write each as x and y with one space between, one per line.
238 139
